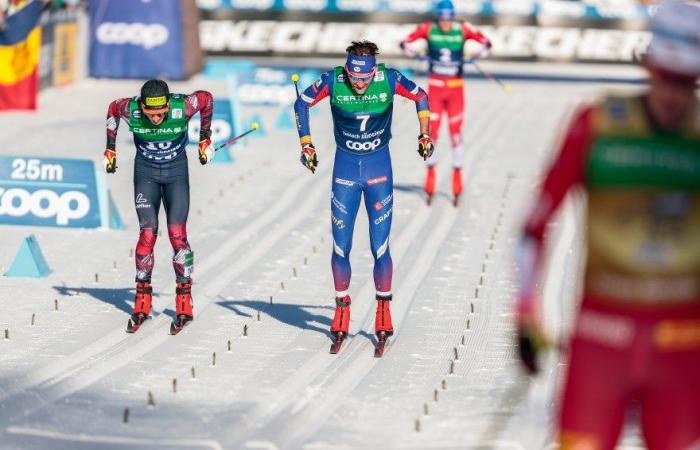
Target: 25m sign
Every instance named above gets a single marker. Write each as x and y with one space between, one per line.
48 192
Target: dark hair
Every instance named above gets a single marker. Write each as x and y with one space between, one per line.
154 88
363 48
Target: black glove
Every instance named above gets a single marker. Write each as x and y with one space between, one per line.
425 146
528 350
308 157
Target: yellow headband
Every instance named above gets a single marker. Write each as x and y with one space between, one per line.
156 101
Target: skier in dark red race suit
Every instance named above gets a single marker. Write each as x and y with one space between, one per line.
446 39
158 120
636 336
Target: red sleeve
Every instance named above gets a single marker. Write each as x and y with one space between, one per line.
568 170
200 102
469 32
421 32
117 109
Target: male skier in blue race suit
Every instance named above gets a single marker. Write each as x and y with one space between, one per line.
361 95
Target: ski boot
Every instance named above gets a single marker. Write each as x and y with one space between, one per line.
456 184
429 185
382 324
341 322
142 306
183 306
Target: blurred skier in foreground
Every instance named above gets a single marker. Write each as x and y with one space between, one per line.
637 333
446 39
158 121
361 95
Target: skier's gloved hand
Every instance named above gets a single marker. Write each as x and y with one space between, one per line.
308 156
484 52
425 146
109 161
532 342
408 50
531 339
206 152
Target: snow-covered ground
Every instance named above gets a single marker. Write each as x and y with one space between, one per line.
260 229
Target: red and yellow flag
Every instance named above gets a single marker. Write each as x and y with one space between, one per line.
20 45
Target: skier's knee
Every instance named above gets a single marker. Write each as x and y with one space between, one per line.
381 251
147 240
178 236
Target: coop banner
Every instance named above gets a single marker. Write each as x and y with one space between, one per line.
48 192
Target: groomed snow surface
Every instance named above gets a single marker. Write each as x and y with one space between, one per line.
260 229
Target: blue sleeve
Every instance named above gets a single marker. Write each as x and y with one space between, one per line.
311 95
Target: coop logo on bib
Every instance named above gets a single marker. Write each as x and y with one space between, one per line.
363 146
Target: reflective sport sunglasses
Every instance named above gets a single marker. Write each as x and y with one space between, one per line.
355 77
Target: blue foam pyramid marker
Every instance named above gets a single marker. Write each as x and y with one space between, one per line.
260 132
285 120
29 261
115 220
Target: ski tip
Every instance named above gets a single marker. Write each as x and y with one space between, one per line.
382 337
335 346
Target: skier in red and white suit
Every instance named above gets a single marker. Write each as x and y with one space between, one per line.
446 39
636 336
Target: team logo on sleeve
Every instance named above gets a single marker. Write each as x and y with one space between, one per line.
192 99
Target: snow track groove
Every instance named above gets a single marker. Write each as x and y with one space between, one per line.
118 348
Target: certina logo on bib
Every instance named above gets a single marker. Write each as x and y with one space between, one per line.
363 146
139 34
158 130
373 98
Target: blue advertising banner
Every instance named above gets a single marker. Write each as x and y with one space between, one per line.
259 85
222 128
48 192
136 39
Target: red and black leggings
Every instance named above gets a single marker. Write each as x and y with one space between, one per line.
169 182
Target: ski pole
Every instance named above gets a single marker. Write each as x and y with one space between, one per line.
295 80
506 87
254 126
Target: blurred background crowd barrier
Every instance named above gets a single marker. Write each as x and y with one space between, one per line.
55 42
523 30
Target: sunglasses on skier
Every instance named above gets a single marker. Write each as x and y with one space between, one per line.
357 77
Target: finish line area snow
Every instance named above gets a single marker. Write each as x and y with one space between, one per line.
260 230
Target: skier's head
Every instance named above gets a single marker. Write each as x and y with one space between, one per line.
673 61
361 65
444 14
155 100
